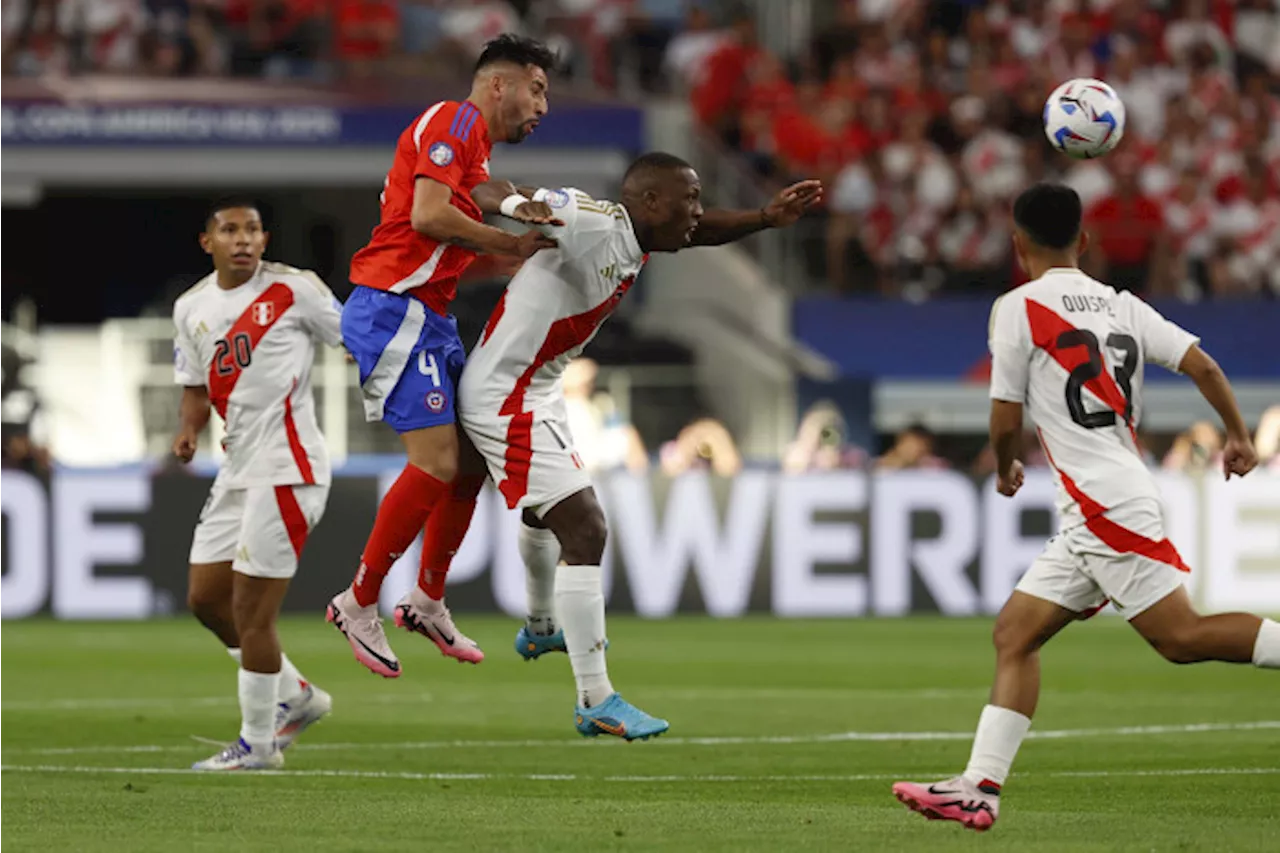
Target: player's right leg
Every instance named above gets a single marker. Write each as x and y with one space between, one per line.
422 610
210 582
578 523
408 358
1181 635
1051 595
540 552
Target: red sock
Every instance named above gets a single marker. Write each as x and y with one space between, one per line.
446 528
400 516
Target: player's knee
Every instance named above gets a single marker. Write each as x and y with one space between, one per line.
1177 646
1011 637
210 610
585 545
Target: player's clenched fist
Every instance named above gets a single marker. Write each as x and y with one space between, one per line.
1238 457
1008 483
184 446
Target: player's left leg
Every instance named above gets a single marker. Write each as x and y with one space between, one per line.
1051 595
579 524
1181 635
276 523
423 610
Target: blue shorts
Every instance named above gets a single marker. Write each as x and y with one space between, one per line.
410 358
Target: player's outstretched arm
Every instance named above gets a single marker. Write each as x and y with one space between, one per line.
718 227
506 199
193 415
435 217
1238 454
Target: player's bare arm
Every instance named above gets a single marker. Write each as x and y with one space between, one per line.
1238 454
1006 438
434 216
725 226
193 415
506 199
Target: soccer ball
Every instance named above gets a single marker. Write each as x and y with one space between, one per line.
1084 118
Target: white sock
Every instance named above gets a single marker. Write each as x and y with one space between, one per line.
258 708
1000 733
1266 649
419 599
292 684
540 551
580 607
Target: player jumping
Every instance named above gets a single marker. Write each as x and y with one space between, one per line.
245 341
1072 350
512 407
397 326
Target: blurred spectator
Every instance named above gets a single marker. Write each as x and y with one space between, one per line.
1248 260
22 428
688 51
973 246
277 38
912 448
705 443
602 438
366 32
821 443
1196 450
1267 439
1127 231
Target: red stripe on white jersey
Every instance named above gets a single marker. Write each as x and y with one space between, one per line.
295 443
225 369
1047 328
564 335
498 311
295 523
1115 536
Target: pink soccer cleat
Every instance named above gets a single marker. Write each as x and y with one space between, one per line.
958 799
437 626
363 629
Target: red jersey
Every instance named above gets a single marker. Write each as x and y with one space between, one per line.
448 143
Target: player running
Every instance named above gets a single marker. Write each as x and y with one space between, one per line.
512 407
397 326
1072 350
245 341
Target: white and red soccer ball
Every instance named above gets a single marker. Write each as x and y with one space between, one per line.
1084 118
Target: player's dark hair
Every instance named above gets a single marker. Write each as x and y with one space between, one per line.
1049 214
654 161
522 51
230 202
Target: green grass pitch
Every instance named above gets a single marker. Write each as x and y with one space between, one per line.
767 749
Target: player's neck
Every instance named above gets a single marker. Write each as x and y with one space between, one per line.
489 112
1040 264
231 279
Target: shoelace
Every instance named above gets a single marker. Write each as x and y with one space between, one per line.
233 751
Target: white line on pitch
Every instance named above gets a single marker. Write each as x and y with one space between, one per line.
570 777
836 737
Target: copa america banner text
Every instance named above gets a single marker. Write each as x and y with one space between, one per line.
95 545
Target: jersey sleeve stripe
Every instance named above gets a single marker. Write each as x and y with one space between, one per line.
457 120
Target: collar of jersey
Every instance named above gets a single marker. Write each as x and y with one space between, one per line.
633 245
250 280
1061 270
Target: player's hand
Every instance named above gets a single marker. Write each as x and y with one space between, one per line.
531 242
791 203
184 446
1238 457
536 213
1008 484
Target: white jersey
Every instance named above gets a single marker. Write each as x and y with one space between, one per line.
1072 350
553 306
252 347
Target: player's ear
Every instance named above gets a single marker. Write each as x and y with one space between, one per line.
206 242
1082 243
266 238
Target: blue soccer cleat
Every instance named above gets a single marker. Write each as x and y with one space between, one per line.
530 646
618 717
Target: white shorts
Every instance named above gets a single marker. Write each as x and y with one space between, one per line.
1122 557
261 529
530 457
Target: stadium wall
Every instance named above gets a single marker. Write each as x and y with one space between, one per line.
113 544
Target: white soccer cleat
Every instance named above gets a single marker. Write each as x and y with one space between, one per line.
293 718
972 805
241 756
437 626
362 626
